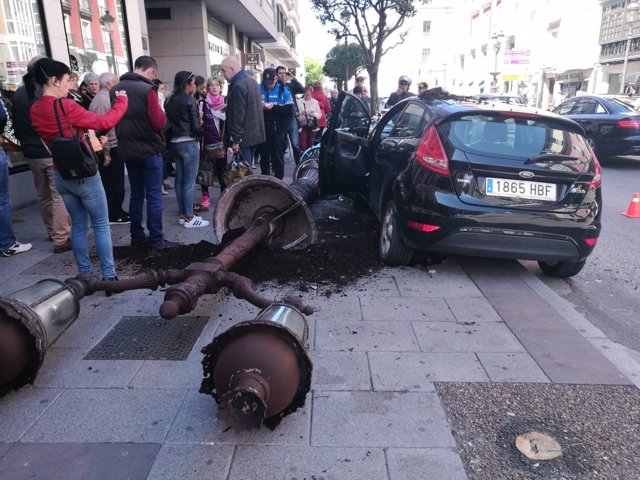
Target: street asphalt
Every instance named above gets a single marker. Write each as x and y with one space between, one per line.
419 373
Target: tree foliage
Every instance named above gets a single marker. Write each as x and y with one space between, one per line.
370 23
341 58
314 70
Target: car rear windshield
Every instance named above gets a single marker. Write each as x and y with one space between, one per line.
515 136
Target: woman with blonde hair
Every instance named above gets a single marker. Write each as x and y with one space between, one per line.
213 118
308 115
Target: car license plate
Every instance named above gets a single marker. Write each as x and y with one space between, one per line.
499 187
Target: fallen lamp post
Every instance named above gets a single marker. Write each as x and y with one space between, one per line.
257 370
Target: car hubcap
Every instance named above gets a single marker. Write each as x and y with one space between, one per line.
387 230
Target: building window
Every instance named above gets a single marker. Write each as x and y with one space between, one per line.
20 41
426 53
281 20
91 47
426 26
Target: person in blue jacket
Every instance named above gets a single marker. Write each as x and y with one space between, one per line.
277 106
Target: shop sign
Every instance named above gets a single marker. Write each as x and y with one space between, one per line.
253 58
517 57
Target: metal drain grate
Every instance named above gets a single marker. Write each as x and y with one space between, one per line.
149 338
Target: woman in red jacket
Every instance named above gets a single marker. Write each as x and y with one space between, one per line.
85 197
325 107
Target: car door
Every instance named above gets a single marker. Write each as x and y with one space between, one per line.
344 149
592 115
393 142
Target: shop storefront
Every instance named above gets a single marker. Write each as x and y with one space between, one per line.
572 81
88 35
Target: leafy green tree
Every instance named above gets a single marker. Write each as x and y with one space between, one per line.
314 70
344 59
370 23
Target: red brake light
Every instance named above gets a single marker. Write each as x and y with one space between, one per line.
422 227
629 123
431 154
591 242
530 116
597 176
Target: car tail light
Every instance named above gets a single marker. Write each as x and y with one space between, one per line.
431 154
629 123
597 176
530 116
591 242
422 227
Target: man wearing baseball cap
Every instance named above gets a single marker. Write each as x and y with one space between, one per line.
277 105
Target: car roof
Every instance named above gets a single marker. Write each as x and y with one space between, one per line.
445 109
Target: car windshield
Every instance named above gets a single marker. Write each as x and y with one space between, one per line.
513 136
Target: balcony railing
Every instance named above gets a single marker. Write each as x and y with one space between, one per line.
66 5
85 8
614 52
90 44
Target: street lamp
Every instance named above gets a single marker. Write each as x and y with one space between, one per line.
630 18
497 37
108 23
345 15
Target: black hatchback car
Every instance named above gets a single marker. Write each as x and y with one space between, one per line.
611 124
469 179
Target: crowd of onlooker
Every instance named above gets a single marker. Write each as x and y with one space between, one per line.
133 124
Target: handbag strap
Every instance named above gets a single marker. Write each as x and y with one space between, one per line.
55 111
73 134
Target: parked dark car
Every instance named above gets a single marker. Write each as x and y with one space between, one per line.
612 125
468 179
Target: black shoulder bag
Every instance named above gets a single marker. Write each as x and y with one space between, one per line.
73 157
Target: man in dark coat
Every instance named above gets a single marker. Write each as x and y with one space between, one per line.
244 127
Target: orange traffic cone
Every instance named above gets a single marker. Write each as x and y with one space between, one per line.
634 207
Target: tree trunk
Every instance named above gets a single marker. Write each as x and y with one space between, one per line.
373 89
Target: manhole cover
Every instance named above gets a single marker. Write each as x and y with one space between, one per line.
149 338
538 446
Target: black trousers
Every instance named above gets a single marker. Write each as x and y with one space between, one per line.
272 151
113 183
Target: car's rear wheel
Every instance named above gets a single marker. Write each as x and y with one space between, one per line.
594 145
561 269
392 250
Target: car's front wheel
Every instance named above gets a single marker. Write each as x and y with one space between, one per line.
392 250
561 269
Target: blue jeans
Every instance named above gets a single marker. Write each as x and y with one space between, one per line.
247 153
85 199
187 157
7 237
145 179
292 132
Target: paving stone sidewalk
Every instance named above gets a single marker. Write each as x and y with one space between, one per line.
378 351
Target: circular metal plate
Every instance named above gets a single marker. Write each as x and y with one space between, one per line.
538 446
257 195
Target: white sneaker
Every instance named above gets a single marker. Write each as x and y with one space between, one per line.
16 248
182 220
196 222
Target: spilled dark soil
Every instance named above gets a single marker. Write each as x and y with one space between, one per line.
347 250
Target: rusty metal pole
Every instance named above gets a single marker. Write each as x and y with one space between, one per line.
32 318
